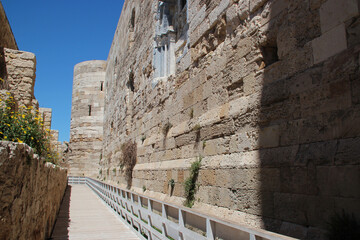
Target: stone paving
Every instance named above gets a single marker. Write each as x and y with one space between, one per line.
83 215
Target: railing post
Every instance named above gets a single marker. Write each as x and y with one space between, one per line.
181 224
164 215
149 212
210 227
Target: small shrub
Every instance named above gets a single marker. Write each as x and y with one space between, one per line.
143 138
144 188
100 172
121 166
166 128
172 183
114 170
196 128
204 144
343 226
157 229
190 183
25 125
129 150
191 113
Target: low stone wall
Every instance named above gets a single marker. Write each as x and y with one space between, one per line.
30 193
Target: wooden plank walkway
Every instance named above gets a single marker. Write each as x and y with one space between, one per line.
83 215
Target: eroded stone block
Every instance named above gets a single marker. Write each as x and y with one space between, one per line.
334 12
329 44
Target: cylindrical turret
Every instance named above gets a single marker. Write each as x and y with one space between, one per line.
86 130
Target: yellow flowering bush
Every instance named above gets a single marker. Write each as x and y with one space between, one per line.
25 126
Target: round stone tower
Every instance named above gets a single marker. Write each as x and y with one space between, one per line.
87 111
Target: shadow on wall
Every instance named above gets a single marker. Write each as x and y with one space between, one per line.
309 122
62 223
3 72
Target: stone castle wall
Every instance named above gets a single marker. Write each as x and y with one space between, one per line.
86 131
20 76
267 92
46 114
31 193
7 38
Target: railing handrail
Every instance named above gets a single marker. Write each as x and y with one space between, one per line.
110 194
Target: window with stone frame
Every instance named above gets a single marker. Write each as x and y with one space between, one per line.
171 26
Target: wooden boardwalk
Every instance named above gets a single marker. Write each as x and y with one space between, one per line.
83 215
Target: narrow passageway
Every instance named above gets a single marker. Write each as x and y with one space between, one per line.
83 215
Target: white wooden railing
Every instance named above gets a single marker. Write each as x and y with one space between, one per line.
154 219
76 180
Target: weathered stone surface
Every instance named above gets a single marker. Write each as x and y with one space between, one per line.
329 44
265 91
86 130
21 67
333 13
31 193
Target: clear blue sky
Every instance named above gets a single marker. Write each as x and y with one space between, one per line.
62 33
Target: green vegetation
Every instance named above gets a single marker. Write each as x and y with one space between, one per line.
144 188
129 150
166 128
143 234
143 138
196 128
157 229
25 125
190 183
172 183
191 113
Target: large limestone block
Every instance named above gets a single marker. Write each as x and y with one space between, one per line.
329 44
335 12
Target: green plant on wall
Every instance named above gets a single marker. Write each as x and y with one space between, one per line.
25 125
196 128
129 150
191 113
190 183
166 128
143 138
172 185
204 144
